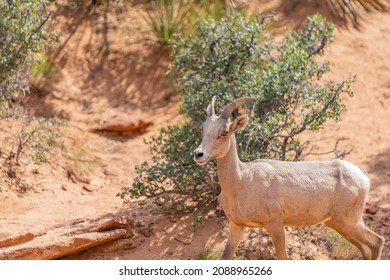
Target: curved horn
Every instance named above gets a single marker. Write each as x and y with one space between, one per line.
210 109
234 105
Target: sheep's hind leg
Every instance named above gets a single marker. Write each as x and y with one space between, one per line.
359 235
379 243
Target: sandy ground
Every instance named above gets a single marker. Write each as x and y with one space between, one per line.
108 64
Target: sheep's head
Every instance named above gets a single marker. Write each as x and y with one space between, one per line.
217 131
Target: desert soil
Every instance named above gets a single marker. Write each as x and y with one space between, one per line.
108 65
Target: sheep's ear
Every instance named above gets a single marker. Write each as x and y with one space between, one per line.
239 123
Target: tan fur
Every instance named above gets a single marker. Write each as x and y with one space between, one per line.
274 194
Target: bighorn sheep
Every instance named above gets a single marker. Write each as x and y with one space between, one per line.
273 194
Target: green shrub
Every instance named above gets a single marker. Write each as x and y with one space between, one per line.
208 255
217 9
229 59
40 138
22 38
167 17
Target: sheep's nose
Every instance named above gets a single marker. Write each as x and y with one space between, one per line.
198 154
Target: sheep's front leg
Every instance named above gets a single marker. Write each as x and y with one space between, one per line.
233 241
276 231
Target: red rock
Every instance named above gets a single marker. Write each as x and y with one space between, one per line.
372 209
68 238
123 124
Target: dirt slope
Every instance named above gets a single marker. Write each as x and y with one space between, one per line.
108 64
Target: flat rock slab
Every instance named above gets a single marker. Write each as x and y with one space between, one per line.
67 238
17 239
123 124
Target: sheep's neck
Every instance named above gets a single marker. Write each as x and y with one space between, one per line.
228 167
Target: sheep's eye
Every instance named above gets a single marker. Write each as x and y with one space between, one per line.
222 133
